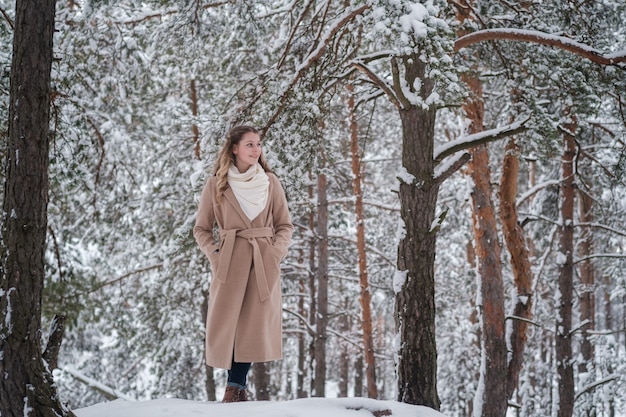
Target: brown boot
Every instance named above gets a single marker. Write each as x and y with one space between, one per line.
233 395
243 395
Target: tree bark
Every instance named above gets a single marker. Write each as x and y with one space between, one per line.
365 298
321 318
491 398
415 299
587 281
261 379
563 341
26 385
57 330
520 264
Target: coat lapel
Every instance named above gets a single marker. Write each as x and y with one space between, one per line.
230 196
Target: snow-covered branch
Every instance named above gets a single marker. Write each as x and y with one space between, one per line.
479 138
445 170
534 190
601 255
615 58
108 392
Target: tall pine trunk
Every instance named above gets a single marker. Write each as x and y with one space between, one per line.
415 299
365 299
563 340
26 384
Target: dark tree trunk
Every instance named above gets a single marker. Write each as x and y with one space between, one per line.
57 330
261 379
209 384
26 384
321 318
563 342
415 300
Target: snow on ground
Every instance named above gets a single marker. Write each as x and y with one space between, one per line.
305 407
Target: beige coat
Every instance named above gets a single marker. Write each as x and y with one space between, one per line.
245 302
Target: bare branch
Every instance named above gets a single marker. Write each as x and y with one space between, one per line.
542 38
312 59
8 19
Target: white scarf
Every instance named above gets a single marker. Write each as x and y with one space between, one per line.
250 188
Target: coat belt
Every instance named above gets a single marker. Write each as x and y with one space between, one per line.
228 237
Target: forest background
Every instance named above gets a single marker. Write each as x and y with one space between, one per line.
346 94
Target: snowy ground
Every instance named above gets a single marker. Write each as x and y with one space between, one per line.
306 407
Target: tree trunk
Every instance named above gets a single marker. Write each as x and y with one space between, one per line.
520 264
366 310
491 398
300 391
209 383
587 282
563 342
261 379
321 318
344 356
26 385
415 293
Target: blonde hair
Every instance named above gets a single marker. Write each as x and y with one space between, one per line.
226 158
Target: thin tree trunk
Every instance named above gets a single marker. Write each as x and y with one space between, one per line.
344 356
194 126
300 391
209 383
366 310
520 264
313 244
321 318
26 385
563 342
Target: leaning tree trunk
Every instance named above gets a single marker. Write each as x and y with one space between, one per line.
26 384
563 341
415 298
520 264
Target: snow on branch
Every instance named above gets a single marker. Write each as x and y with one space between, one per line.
479 138
617 58
108 392
534 190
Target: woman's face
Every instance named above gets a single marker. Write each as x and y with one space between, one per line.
248 151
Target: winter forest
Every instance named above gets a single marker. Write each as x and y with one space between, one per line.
455 171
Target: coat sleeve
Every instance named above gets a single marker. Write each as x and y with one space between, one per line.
283 228
205 222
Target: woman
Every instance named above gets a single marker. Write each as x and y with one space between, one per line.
247 203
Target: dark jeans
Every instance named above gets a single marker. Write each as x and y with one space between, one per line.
238 373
